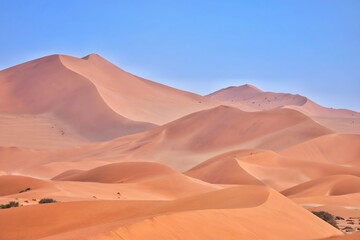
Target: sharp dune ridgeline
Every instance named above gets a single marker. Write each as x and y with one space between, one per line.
90 151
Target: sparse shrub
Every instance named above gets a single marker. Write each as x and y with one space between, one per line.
25 190
47 200
9 205
339 218
347 229
327 217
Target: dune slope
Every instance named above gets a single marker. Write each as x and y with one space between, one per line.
46 86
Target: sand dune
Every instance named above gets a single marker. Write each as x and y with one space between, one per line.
343 149
251 165
38 131
14 184
328 186
119 172
134 97
255 98
46 86
196 137
150 182
250 98
223 169
240 206
184 143
147 176
337 194
207 131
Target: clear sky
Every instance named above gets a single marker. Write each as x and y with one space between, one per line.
310 47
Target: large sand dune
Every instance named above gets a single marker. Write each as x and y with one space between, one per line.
47 87
134 97
234 207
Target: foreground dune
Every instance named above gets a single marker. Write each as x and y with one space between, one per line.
226 209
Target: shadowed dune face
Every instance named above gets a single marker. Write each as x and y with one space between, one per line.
194 138
134 97
46 86
236 127
223 169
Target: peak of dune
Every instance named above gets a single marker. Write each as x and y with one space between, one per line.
235 93
250 98
244 87
249 86
92 56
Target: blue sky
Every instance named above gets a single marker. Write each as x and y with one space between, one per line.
310 47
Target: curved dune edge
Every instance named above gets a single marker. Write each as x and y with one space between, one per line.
249 166
223 169
119 173
121 91
334 185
